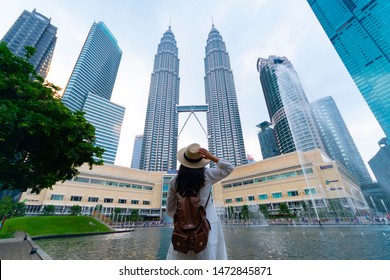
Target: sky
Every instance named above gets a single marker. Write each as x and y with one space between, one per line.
250 29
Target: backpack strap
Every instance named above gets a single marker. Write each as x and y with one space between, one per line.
207 202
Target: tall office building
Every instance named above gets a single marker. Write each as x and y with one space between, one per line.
223 118
90 87
380 165
35 30
137 148
337 140
267 140
159 145
360 32
287 105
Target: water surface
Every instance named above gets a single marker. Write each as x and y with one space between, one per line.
243 243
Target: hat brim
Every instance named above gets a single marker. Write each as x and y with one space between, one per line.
186 163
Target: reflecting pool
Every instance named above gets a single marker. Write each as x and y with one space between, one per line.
243 243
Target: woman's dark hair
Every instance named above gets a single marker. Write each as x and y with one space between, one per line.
189 180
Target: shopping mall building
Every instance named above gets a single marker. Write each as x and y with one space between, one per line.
297 179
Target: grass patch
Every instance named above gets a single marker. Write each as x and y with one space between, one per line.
51 225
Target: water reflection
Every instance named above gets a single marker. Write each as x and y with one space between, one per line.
271 242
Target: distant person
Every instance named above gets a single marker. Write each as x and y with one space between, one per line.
193 175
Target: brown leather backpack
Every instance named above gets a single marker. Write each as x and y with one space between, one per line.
191 227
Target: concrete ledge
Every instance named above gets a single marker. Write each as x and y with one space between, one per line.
78 234
43 255
21 247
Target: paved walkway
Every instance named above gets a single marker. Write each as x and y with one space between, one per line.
21 247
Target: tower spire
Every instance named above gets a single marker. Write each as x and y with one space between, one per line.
212 21
169 23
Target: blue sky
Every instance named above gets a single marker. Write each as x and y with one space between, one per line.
250 29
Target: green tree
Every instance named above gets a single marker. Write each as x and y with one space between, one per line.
19 209
75 210
41 141
134 215
49 210
11 208
245 212
263 209
230 212
98 208
283 209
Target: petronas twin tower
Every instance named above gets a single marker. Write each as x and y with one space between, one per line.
159 145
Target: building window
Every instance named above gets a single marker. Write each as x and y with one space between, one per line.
288 174
229 200
292 193
263 196
148 188
273 177
81 179
258 180
75 198
122 201
251 198
310 191
247 182
277 195
93 199
124 185
146 202
136 187
97 182
108 200
57 197
133 201
238 199
111 183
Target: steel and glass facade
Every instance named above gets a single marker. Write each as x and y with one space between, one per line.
159 145
107 118
267 140
96 68
287 105
380 165
90 87
35 30
223 118
137 148
360 32
337 140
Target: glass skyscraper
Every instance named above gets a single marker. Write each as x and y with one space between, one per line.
360 32
35 30
90 87
287 105
159 145
267 140
223 118
137 148
380 165
337 140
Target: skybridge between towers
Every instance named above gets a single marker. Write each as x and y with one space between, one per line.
192 109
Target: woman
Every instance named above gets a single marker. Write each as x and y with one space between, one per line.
193 175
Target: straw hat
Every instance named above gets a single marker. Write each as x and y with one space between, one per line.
191 158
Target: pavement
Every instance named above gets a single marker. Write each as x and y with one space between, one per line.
21 247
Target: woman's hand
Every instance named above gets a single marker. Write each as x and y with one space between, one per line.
207 155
